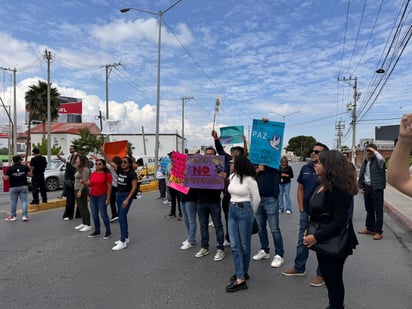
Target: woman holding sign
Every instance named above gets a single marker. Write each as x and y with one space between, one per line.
244 202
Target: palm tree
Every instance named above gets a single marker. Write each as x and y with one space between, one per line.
36 105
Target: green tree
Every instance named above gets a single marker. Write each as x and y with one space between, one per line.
36 105
43 148
88 143
301 145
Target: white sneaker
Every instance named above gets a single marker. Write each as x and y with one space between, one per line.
165 202
220 255
25 218
185 241
261 255
226 243
66 218
127 240
79 227
86 228
201 253
121 245
211 224
277 261
288 212
186 245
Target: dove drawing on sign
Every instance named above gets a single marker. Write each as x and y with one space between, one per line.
275 141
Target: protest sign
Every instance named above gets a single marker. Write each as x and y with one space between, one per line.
266 142
203 172
177 172
231 135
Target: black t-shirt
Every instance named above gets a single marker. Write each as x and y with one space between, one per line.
124 180
18 175
39 163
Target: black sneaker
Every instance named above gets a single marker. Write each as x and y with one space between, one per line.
107 236
94 234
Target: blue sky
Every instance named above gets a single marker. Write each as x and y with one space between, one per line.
259 56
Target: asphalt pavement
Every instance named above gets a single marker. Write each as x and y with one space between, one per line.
45 263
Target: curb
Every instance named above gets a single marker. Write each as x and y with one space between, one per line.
393 212
57 203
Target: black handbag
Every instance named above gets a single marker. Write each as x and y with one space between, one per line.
255 227
335 246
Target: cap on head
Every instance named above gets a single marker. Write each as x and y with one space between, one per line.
36 150
16 159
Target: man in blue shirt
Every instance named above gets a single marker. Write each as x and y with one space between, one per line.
307 182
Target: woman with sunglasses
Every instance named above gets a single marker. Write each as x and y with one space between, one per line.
126 191
100 184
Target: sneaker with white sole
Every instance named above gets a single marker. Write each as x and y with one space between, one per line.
10 219
79 227
25 218
185 241
86 228
127 240
202 252
121 245
277 261
226 243
220 255
186 245
261 255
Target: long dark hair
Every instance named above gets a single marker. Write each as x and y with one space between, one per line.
243 167
338 172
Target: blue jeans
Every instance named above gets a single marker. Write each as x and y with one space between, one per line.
124 228
98 205
284 192
302 253
268 212
16 193
240 224
204 209
189 210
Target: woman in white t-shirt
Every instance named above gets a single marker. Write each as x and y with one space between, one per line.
244 201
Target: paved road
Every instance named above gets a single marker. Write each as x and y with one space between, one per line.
45 263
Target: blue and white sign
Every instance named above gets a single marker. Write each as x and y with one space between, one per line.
266 142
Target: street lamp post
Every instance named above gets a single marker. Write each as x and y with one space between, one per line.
160 14
285 115
184 99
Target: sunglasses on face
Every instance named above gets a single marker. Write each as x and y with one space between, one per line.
315 151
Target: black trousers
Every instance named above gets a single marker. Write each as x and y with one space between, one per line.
38 185
374 209
113 205
70 201
225 207
175 198
331 269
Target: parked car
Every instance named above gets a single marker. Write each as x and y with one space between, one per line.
54 174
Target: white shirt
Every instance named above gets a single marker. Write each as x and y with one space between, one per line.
247 191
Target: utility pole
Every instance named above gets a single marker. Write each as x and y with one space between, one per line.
144 142
184 99
47 56
109 68
352 107
14 123
339 127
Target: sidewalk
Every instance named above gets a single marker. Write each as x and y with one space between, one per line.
399 206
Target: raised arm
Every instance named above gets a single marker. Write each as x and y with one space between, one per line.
398 170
